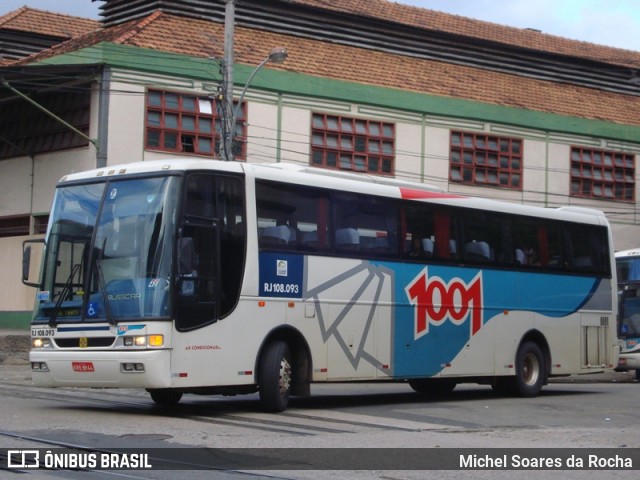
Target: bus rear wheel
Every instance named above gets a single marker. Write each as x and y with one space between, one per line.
165 396
530 373
433 386
275 376
530 370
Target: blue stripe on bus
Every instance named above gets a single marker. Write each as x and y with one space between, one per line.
83 329
552 296
120 330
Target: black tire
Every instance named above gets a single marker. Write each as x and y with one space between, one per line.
433 386
165 397
504 386
275 376
531 371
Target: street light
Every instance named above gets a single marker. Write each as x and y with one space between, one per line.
277 55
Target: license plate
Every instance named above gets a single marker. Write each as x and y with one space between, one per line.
43 332
82 367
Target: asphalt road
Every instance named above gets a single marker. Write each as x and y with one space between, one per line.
578 414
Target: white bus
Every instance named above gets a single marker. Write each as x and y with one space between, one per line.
206 277
628 267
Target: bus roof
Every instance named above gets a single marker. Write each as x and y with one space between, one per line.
344 181
632 252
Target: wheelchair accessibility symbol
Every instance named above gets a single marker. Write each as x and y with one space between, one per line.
92 310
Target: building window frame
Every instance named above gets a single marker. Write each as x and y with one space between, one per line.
40 224
189 123
340 142
483 159
602 174
15 226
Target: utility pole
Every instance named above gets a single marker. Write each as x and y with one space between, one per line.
229 112
228 127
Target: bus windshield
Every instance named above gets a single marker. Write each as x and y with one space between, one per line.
629 310
628 268
109 252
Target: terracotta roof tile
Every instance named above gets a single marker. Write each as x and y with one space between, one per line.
468 27
200 38
42 22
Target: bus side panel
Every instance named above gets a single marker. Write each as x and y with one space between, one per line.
452 320
404 320
440 310
224 353
352 301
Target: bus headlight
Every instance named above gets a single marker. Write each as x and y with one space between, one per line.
144 341
40 343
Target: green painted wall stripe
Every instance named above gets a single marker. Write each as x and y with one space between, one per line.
146 60
15 320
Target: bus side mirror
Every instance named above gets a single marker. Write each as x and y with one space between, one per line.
30 270
186 254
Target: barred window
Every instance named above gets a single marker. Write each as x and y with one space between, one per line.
40 223
14 226
354 144
602 174
481 159
189 124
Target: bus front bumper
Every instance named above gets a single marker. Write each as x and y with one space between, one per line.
629 361
101 369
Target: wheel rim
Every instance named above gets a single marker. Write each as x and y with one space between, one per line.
530 369
285 376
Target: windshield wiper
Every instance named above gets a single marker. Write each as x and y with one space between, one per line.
65 291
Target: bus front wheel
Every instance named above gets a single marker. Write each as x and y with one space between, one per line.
274 376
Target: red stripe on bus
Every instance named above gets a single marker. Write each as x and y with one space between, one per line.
412 194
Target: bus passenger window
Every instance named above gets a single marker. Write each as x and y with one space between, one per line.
421 247
417 227
275 235
347 239
587 247
365 225
477 251
291 218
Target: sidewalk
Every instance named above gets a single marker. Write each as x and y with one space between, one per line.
14 347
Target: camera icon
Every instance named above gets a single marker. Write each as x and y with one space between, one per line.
23 459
